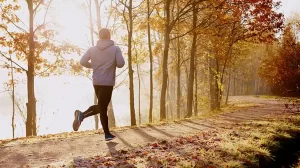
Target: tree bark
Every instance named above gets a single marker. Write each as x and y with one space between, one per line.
228 87
211 83
151 63
192 65
178 74
31 104
91 23
97 116
131 86
178 81
213 80
196 91
165 61
234 81
111 116
139 85
13 99
218 89
97 6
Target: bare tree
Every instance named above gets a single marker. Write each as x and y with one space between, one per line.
192 63
129 25
151 61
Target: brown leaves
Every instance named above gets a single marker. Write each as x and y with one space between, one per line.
281 65
164 153
49 54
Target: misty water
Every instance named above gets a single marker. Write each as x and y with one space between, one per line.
57 99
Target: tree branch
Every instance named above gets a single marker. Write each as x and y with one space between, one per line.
51 66
199 25
124 3
4 91
46 12
184 61
182 12
24 51
37 6
138 5
121 82
13 62
6 17
126 21
110 14
122 72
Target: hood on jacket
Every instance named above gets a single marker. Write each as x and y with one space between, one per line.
104 44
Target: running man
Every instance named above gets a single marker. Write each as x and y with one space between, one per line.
103 59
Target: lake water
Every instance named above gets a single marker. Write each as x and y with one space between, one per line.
57 99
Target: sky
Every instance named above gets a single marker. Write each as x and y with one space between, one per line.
56 105
289 7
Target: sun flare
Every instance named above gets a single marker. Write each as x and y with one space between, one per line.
73 22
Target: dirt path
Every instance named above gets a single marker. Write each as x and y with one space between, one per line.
58 151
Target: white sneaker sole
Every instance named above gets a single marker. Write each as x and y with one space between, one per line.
109 139
76 122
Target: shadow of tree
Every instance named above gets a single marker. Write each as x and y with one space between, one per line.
123 141
160 131
144 135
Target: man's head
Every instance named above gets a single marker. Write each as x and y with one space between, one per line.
104 34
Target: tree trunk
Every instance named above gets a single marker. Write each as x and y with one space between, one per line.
111 116
13 99
139 85
178 81
196 91
228 87
211 84
165 62
97 6
31 105
218 89
178 74
192 65
169 99
242 88
185 86
213 80
151 62
91 23
131 87
234 80
97 116
258 86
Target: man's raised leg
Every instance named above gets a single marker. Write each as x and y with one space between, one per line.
79 116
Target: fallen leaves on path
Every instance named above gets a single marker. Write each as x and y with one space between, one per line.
234 146
226 147
182 151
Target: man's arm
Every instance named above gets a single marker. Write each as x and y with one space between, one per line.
119 58
84 61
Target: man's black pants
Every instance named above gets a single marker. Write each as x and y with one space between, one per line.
103 94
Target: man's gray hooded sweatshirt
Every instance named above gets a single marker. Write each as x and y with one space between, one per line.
105 57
